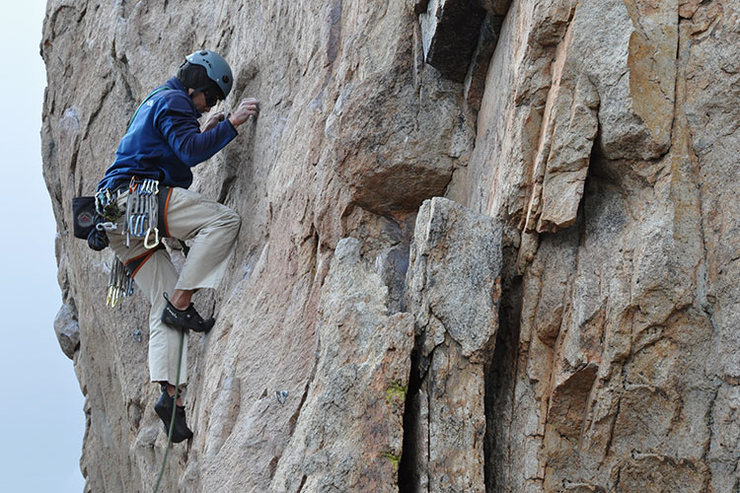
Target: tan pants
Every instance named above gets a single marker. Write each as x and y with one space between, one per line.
212 227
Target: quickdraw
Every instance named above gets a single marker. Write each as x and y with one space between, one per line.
142 208
139 221
120 283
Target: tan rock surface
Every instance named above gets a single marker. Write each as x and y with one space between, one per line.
361 374
597 165
453 292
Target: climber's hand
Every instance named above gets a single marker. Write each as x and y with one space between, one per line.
247 107
213 118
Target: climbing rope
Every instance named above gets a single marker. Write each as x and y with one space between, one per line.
174 409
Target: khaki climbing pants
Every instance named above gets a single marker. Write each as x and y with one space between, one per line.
212 227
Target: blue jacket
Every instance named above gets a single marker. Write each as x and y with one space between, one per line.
164 141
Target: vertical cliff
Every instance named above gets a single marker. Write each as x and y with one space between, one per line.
486 245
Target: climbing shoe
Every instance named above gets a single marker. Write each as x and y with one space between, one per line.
186 319
163 408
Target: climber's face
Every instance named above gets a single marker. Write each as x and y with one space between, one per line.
199 100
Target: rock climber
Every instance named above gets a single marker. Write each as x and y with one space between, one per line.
164 140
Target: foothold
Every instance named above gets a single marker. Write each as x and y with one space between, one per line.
136 335
281 395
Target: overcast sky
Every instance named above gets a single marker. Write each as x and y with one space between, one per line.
41 405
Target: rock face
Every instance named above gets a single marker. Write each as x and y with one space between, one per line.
362 370
454 287
564 319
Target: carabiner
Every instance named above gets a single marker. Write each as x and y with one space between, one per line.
143 227
107 226
131 224
132 185
140 220
156 238
149 188
112 299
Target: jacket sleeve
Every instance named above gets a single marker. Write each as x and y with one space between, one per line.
178 123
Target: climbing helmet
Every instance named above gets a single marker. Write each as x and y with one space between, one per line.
217 69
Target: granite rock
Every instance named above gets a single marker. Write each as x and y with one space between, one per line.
564 319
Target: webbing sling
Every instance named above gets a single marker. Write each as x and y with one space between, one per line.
159 89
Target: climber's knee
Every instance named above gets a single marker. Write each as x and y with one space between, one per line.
232 220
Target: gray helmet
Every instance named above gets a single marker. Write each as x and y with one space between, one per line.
216 68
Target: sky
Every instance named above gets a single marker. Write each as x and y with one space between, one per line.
41 409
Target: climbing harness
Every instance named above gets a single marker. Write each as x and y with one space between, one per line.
174 409
142 207
138 220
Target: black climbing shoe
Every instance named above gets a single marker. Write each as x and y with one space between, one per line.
163 408
186 319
